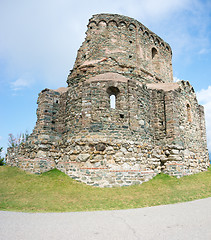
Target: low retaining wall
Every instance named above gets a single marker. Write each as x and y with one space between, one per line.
108 164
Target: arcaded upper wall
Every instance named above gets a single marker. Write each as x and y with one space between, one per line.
120 44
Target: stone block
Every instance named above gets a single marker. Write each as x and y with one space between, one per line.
83 157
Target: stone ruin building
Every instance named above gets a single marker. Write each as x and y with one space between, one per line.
121 120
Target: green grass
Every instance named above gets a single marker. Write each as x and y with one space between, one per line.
56 192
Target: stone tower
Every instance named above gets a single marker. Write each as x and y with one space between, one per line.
121 120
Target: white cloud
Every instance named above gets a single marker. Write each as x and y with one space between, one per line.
155 10
42 37
204 51
175 79
23 82
204 97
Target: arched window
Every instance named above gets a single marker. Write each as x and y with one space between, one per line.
155 61
112 101
189 113
154 53
113 92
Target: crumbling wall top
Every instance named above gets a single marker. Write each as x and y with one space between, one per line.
122 45
130 23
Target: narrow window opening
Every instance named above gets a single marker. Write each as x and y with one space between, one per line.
113 92
189 113
154 53
113 101
121 115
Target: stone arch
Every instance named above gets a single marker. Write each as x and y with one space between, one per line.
162 45
141 29
102 24
122 24
157 41
132 27
151 38
92 25
112 23
146 34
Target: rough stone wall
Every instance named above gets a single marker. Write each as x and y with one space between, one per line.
122 45
156 125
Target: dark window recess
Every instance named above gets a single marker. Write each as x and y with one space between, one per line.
53 122
46 111
57 101
130 41
121 115
154 53
189 112
130 56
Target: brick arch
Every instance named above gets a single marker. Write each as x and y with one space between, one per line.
112 23
132 27
122 24
146 33
102 23
92 24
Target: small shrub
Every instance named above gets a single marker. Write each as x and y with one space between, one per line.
17 141
1 159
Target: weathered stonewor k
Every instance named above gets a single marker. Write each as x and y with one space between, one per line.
121 120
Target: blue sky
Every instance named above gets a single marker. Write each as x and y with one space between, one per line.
39 42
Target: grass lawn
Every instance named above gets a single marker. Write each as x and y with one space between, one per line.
56 192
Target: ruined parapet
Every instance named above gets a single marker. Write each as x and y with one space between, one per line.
121 120
120 44
49 113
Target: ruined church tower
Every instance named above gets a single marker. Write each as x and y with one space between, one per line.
121 120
